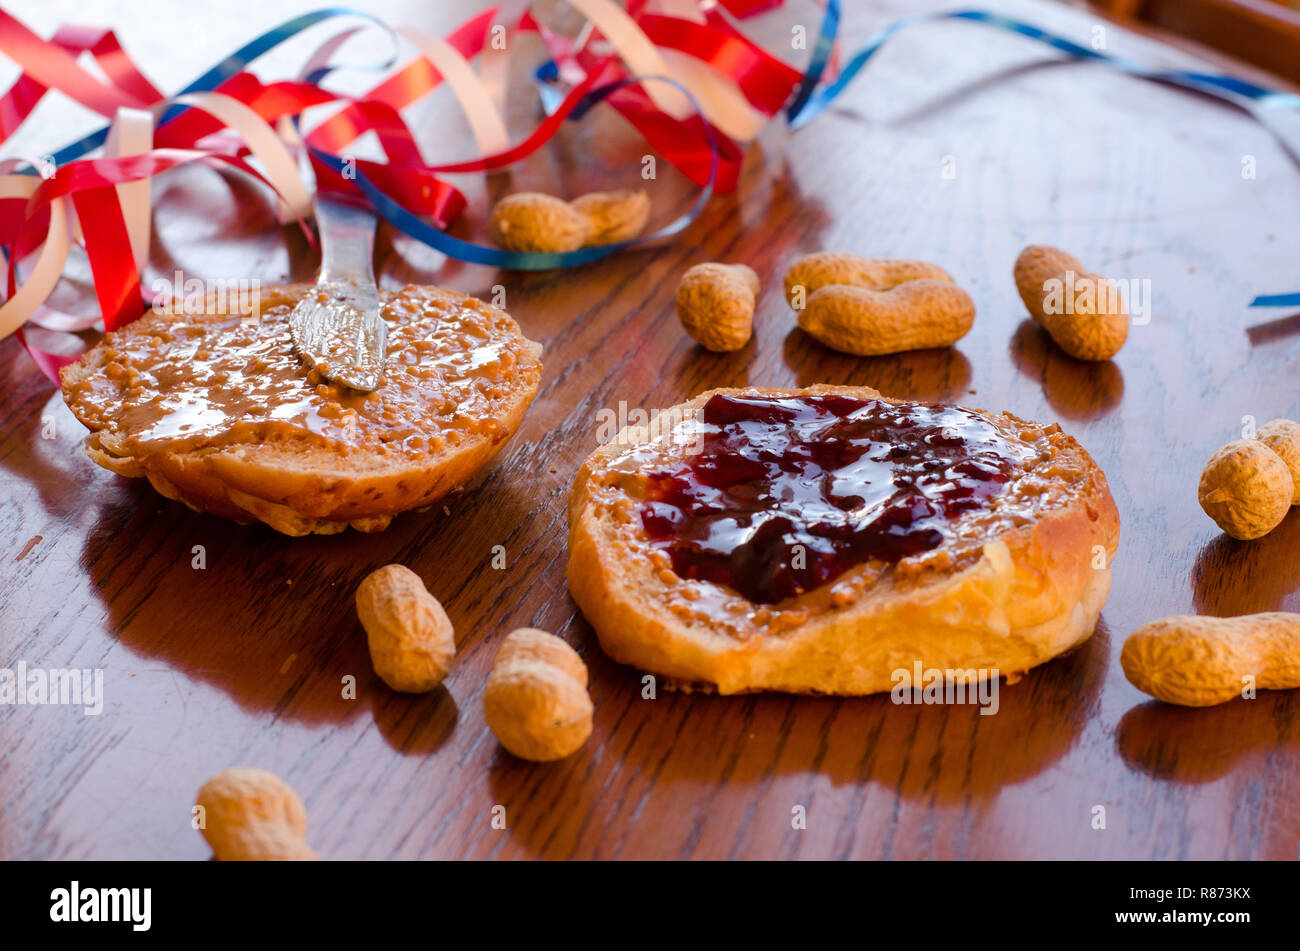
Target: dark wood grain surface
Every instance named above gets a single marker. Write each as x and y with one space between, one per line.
242 662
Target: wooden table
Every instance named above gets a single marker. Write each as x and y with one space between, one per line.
242 662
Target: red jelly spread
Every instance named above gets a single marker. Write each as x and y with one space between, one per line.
784 494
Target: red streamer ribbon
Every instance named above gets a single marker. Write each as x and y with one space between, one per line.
689 142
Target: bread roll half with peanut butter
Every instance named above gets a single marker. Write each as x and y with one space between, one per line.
217 410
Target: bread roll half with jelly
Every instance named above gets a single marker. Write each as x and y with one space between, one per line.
821 540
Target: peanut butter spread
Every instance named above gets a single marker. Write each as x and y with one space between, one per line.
170 383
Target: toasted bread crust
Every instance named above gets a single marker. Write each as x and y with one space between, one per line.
300 483
1027 594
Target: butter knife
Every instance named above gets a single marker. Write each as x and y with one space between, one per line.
337 327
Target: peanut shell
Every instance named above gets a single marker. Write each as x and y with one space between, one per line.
253 815
1283 437
913 315
1246 488
536 700
814 271
532 221
411 640
1198 661
614 216
715 304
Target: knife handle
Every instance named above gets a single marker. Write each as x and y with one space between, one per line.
347 241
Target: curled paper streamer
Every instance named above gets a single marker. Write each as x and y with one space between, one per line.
678 70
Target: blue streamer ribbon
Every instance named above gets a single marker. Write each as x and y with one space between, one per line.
388 209
402 219
1277 300
235 63
809 101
